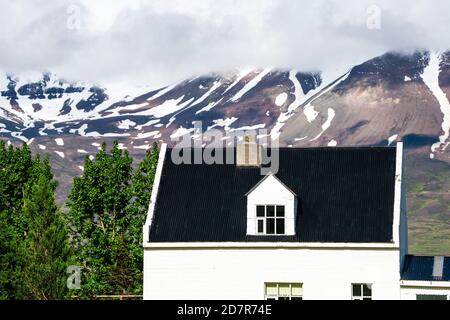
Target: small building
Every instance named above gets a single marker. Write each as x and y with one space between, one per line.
330 224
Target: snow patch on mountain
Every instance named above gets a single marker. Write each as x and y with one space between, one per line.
60 153
430 77
330 116
281 99
126 124
310 113
224 123
213 88
142 147
242 74
154 134
163 91
181 131
166 108
251 84
392 139
147 124
332 143
209 106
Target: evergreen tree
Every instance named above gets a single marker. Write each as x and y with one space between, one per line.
15 169
33 247
45 249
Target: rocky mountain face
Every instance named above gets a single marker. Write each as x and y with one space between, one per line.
389 98
394 97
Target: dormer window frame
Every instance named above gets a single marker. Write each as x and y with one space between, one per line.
278 216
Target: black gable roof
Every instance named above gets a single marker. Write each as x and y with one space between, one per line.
420 268
344 195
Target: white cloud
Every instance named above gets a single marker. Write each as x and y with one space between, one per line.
162 41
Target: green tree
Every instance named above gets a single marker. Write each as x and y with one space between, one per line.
15 169
107 209
142 184
45 249
34 250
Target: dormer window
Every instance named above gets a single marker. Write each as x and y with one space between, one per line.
271 208
270 219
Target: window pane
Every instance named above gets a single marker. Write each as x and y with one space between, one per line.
270 211
260 211
284 290
297 289
280 225
367 291
270 225
356 290
271 289
280 211
260 226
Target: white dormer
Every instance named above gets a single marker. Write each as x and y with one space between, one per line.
271 208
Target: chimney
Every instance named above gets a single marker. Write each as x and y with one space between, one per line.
438 268
248 153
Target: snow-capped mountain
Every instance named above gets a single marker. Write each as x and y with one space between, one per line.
261 98
385 99
389 98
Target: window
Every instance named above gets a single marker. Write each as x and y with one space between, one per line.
431 297
361 291
270 220
283 291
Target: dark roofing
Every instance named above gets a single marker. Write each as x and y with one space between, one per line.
344 195
420 268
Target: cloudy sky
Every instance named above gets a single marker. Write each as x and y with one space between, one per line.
157 42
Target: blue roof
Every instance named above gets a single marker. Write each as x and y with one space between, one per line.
420 268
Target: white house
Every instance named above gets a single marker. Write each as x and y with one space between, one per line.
330 224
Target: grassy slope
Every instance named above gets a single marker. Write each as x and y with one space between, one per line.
428 194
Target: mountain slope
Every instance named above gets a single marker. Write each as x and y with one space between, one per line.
393 97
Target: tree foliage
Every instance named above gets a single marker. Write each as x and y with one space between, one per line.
34 250
101 232
107 208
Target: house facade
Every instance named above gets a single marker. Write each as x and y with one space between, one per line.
330 224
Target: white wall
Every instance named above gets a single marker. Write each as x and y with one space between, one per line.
409 293
240 274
